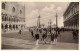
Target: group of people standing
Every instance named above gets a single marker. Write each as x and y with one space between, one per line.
44 35
75 34
48 35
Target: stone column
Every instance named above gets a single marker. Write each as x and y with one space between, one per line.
8 27
73 26
77 24
15 27
1 27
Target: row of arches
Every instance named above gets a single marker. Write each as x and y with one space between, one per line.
11 19
73 9
12 27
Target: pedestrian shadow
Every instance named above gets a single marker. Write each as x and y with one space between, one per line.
28 44
10 47
67 37
68 40
47 43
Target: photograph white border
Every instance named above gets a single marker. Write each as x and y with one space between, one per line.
35 1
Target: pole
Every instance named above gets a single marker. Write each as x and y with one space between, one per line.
56 20
56 24
50 25
38 22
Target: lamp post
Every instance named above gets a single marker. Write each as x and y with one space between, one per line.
56 20
50 25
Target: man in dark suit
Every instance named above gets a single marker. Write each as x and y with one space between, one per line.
37 37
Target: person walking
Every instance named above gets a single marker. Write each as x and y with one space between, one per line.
20 32
52 37
44 37
74 34
59 32
37 37
56 35
32 33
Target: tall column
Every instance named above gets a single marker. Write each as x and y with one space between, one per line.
73 24
56 21
3 27
77 24
8 27
38 22
12 26
15 27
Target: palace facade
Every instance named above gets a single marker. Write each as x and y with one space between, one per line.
71 16
13 16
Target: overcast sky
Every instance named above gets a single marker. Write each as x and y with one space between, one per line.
46 10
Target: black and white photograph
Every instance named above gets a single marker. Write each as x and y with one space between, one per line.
39 25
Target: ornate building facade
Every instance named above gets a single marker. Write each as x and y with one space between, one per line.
13 16
71 16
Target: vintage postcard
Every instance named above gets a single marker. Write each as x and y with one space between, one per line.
40 25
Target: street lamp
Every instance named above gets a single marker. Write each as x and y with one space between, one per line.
50 25
56 20
56 24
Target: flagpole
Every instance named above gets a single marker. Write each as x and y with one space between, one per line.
56 20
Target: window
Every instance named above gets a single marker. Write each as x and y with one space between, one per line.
2 26
13 9
9 19
20 12
2 17
6 26
14 27
14 19
77 7
23 20
3 5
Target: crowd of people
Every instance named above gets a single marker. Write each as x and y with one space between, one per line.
75 34
49 34
44 34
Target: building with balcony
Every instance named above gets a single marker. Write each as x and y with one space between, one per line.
12 16
71 16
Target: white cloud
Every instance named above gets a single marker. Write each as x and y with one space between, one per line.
59 8
60 21
33 14
52 6
32 17
46 13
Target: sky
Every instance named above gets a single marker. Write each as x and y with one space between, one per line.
46 10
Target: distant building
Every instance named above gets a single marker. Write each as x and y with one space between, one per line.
71 16
13 16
